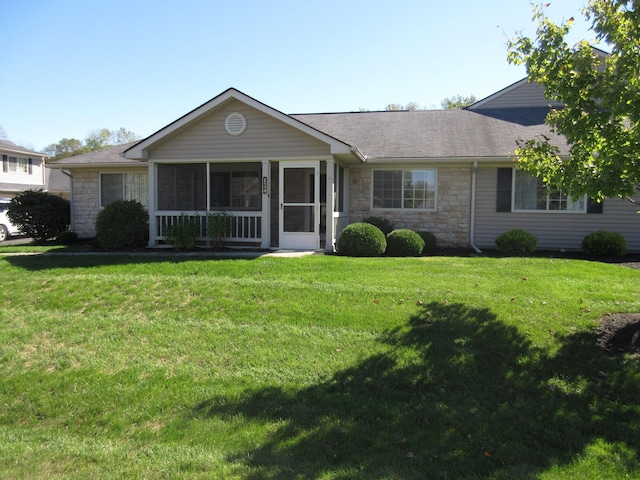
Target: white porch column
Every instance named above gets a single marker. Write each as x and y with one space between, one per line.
152 207
266 204
331 205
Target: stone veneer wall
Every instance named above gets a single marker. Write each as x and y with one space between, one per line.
86 204
86 201
450 223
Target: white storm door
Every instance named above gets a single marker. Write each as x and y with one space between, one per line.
299 205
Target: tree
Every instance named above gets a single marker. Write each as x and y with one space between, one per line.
601 113
392 107
96 140
67 147
102 138
3 133
457 101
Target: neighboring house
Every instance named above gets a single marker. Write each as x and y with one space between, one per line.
22 169
57 182
294 181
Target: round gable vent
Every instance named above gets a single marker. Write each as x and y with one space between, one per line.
235 123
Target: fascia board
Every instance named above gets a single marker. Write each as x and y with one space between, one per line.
67 166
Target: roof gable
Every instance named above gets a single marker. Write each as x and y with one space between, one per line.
141 149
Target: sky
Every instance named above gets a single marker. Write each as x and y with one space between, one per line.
73 66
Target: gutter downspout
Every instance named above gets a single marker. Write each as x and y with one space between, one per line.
472 226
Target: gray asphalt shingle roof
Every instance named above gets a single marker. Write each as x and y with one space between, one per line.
422 134
8 145
434 134
104 156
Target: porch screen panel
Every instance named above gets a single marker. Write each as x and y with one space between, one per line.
236 187
182 187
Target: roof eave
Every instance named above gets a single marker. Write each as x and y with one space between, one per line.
64 166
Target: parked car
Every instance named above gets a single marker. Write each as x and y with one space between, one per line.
6 227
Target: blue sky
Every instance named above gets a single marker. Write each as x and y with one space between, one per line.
72 66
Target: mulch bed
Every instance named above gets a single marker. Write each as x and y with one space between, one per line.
619 333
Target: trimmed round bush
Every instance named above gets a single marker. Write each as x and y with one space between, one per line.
603 243
404 243
122 225
382 223
517 242
362 240
430 241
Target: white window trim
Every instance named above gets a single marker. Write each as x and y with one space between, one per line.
545 211
403 209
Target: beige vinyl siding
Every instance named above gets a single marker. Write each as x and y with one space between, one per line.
264 137
520 95
554 230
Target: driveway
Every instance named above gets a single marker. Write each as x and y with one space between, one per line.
16 241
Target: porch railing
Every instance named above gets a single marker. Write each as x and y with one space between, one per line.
246 227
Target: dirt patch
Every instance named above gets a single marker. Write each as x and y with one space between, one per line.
619 333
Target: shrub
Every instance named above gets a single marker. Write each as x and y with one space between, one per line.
382 223
604 244
39 214
362 240
122 225
218 226
182 234
404 243
517 242
67 237
430 241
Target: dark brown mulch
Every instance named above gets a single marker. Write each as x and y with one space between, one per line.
619 333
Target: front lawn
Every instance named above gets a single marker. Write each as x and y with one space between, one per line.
320 367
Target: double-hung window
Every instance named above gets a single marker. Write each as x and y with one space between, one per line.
404 189
531 194
16 164
124 186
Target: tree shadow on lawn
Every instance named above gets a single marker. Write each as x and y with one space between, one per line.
38 262
459 394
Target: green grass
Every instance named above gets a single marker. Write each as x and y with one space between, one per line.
320 367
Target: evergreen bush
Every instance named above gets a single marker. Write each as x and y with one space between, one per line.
404 243
430 241
66 238
362 240
517 242
603 243
382 223
122 225
38 214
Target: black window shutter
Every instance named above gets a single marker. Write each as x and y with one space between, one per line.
5 163
503 198
593 206
30 166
